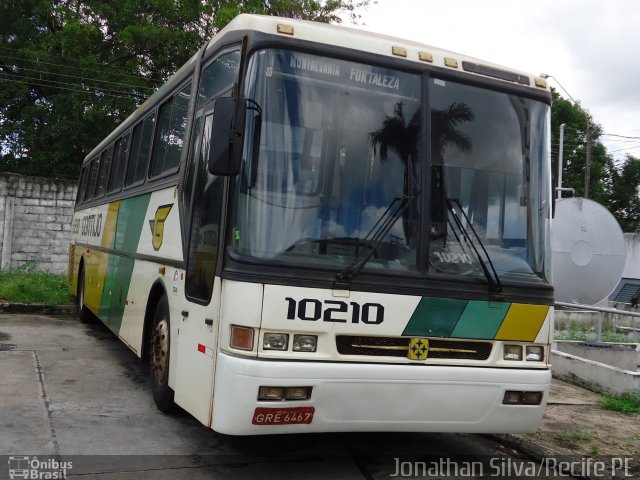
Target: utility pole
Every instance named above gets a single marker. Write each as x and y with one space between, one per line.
587 167
560 157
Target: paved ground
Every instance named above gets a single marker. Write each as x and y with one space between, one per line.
73 392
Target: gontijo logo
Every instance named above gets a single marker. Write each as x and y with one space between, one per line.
33 468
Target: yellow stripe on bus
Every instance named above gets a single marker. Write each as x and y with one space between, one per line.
522 322
109 232
95 272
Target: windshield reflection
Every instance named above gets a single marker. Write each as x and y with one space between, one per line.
488 156
338 145
337 148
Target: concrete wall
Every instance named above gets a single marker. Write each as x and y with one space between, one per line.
625 356
632 265
595 376
35 220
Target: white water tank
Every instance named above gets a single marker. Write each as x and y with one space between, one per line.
589 251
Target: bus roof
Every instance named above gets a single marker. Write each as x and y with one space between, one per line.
358 39
343 37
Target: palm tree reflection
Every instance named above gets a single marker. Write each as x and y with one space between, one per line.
401 137
444 133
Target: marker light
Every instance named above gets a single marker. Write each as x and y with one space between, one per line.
512 352
275 341
305 343
534 353
241 337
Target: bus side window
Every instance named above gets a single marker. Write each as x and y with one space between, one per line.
103 172
93 176
172 120
140 149
217 77
82 186
119 162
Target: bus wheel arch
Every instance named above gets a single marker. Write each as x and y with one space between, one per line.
83 311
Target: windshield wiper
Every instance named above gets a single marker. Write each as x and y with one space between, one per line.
492 276
374 237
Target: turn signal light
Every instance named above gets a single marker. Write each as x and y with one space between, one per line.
241 337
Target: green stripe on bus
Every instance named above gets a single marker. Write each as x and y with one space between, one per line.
481 320
435 317
131 219
131 216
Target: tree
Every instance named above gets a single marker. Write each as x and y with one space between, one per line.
71 70
624 203
614 186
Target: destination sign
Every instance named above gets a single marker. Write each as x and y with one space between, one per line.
348 72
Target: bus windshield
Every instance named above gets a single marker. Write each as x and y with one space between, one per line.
335 168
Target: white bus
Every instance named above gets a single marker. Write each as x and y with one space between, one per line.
312 228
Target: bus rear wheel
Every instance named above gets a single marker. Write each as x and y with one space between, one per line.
159 350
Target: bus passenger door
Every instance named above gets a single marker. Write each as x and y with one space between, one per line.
202 198
198 325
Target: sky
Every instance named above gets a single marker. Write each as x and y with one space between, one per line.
590 47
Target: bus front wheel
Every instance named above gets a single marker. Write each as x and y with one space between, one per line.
159 343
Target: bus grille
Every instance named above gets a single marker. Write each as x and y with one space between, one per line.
399 346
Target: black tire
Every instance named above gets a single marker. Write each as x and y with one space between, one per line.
159 345
83 312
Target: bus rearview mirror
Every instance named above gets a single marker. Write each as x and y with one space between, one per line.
227 131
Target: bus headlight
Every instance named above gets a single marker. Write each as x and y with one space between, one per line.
535 353
305 343
512 352
275 341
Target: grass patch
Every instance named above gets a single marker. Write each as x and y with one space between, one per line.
26 285
574 436
627 403
584 333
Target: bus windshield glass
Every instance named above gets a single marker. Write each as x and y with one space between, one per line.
334 171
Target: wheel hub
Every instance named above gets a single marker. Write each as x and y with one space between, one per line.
160 350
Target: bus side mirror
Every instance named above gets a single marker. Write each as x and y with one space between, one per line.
227 131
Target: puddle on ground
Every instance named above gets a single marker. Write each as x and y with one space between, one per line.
5 346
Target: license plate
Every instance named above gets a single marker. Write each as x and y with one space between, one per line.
283 416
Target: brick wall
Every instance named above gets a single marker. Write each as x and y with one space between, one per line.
35 220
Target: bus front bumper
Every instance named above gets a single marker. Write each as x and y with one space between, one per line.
348 397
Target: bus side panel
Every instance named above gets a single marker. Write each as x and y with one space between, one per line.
142 224
139 280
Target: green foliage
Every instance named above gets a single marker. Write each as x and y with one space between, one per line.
627 403
26 285
72 70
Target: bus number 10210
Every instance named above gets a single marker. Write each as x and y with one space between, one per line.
312 309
